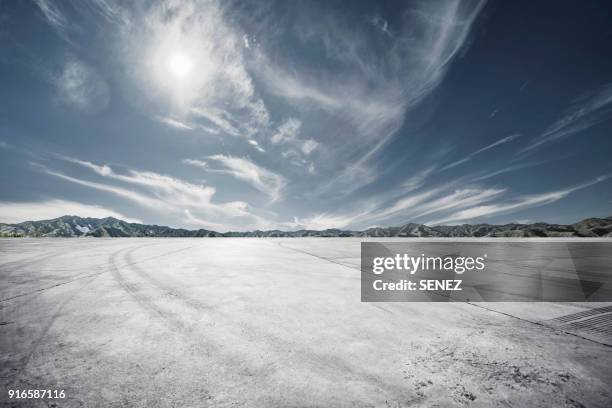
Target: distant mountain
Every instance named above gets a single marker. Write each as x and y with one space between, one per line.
73 226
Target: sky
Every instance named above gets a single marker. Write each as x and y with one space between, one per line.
244 115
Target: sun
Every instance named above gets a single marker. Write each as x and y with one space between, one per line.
179 65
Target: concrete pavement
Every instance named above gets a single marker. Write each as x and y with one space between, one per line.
268 322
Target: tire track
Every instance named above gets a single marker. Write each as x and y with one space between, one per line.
317 361
171 290
36 259
80 276
145 301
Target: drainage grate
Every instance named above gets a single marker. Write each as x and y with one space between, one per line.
600 324
593 323
582 315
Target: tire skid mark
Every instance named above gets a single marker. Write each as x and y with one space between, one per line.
146 302
316 361
164 287
122 262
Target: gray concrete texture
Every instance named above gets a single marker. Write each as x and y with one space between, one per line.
270 323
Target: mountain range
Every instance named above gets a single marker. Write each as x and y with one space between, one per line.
74 226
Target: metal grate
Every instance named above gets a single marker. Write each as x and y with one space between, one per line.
601 324
596 321
582 315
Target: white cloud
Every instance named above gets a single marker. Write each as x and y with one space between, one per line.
212 83
288 131
484 149
525 221
80 87
186 126
360 106
519 204
199 222
218 119
416 205
176 124
309 146
251 223
256 146
403 204
243 169
55 17
382 24
506 170
332 115
137 198
453 205
372 113
164 194
586 112
417 180
15 212
323 221
196 163
294 157
112 10
359 94
457 199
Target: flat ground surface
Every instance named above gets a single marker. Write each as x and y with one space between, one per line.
272 322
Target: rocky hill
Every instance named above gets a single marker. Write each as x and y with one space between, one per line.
73 226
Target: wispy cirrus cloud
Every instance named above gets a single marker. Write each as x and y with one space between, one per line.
507 169
586 112
417 180
479 151
360 107
81 87
411 206
514 205
288 133
211 85
439 199
55 16
244 169
174 123
449 203
186 126
256 146
309 146
164 194
196 162
331 116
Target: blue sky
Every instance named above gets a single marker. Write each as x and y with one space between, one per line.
260 115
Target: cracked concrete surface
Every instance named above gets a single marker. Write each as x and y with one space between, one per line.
264 323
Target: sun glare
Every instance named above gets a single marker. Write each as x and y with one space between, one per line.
179 65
